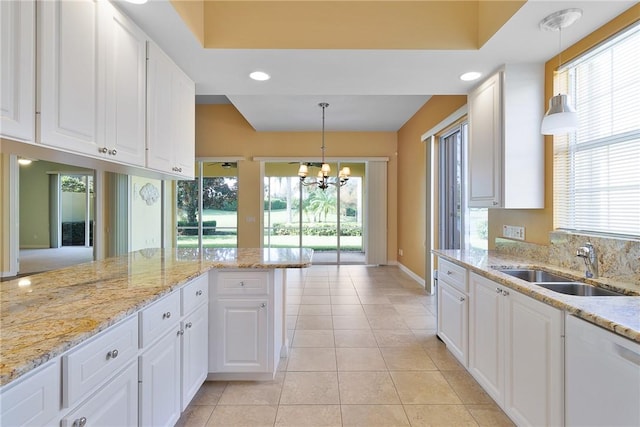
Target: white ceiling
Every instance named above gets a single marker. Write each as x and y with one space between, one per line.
368 90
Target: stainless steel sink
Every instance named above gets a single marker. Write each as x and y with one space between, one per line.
580 289
536 276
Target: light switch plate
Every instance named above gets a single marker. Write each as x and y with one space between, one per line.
513 232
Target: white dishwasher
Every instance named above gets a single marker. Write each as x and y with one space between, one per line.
602 372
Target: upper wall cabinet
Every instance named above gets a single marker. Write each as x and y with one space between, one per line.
17 68
92 98
170 116
506 149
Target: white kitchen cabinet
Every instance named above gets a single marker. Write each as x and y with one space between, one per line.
33 400
195 351
241 335
170 116
71 89
506 149
602 376
453 309
17 68
93 82
246 315
516 352
160 381
125 59
115 404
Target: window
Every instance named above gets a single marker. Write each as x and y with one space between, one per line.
597 168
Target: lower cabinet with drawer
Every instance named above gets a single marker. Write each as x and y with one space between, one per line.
245 333
453 309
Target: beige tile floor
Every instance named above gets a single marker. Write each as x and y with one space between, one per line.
363 353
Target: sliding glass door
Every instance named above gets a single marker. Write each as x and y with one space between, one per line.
328 221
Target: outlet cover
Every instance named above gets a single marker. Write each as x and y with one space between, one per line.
513 232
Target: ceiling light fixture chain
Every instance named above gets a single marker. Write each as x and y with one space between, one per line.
323 179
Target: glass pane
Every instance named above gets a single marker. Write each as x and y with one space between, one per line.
320 222
220 212
281 212
187 213
351 215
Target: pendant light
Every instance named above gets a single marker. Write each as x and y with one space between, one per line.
322 180
561 117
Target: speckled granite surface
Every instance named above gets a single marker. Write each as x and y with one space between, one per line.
617 314
43 315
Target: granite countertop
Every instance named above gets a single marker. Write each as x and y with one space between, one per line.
43 315
618 314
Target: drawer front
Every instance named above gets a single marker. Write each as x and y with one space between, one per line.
453 274
92 363
33 400
195 293
242 283
159 318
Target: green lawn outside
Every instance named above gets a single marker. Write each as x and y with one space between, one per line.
230 219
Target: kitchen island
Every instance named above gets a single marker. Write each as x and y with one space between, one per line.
46 314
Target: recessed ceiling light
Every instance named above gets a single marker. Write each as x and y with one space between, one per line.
259 76
470 76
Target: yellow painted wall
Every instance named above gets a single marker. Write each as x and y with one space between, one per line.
413 179
539 222
222 131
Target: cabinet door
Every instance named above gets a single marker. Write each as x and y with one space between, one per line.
486 346
240 337
70 92
125 51
160 382
534 386
116 404
195 352
17 68
159 109
485 144
185 118
453 321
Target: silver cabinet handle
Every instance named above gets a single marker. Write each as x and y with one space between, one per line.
180 332
461 299
113 152
80 422
198 293
103 150
495 203
112 354
449 273
241 283
166 315
505 293
263 305
498 291
188 325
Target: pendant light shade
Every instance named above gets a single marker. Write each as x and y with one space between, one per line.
560 118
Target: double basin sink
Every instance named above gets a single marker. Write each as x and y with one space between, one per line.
558 283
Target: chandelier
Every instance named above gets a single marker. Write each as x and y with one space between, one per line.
323 179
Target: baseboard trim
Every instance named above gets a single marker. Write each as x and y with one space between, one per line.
413 275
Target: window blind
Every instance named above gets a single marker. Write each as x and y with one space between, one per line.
597 168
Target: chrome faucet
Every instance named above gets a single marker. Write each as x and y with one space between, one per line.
588 253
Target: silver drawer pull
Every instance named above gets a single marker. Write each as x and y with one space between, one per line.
498 291
166 315
113 152
263 305
180 332
188 325
505 293
103 150
449 273
241 283
461 299
198 293
80 422
112 354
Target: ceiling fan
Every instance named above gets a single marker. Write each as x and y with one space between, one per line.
225 165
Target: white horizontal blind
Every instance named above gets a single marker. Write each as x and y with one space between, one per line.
597 168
